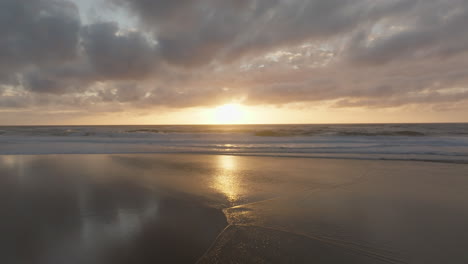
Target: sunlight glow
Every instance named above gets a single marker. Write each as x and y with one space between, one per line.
230 114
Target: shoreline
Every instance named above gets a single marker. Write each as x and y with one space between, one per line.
266 155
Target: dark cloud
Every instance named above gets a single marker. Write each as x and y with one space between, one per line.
199 31
123 92
107 54
58 79
118 55
431 29
36 32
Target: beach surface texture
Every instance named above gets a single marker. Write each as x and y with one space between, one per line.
186 208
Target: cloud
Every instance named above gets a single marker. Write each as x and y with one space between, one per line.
200 31
118 55
193 33
363 53
36 33
431 29
107 54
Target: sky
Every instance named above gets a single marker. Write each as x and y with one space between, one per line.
277 61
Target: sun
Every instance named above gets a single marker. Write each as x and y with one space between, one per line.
229 114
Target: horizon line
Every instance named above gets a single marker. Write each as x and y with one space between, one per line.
247 124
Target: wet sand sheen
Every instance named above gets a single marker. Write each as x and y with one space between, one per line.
83 209
169 208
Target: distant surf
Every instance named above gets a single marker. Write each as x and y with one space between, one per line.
432 142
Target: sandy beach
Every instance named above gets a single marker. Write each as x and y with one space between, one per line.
176 208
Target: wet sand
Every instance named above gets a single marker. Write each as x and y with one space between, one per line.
226 209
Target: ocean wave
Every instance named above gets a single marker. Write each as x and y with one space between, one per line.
390 130
282 132
402 141
383 133
144 130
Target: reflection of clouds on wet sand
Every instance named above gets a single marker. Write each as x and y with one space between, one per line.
87 209
122 223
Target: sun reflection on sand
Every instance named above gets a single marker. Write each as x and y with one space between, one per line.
7 161
227 179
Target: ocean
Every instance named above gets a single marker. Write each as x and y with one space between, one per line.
425 142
